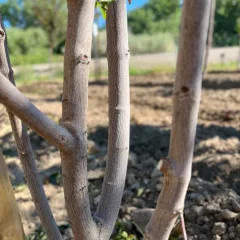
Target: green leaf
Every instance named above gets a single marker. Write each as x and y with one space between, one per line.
103 12
124 235
103 6
140 192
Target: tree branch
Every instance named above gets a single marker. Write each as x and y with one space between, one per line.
119 117
20 106
186 99
25 152
74 108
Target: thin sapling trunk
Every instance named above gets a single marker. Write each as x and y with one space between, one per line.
209 36
186 98
119 117
74 118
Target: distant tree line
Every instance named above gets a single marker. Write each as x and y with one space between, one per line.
45 22
50 16
156 16
164 15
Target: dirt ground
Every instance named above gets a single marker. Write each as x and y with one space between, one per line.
216 157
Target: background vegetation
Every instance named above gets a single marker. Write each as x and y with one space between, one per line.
33 37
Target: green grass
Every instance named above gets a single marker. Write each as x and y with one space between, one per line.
37 58
27 76
229 66
20 187
154 71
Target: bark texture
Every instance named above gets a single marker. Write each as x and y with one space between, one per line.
186 98
74 107
238 60
119 117
10 222
25 152
209 36
71 137
20 106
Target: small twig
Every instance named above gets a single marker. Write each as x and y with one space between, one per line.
183 226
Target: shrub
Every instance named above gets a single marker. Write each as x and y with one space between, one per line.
33 57
145 43
142 43
23 42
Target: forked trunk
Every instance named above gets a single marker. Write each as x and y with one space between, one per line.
186 98
74 118
71 137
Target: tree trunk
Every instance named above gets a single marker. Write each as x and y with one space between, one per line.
71 137
119 117
186 98
25 151
238 60
74 118
209 36
10 222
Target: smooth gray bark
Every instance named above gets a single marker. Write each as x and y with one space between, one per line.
238 60
74 107
186 99
209 35
20 106
71 137
25 151
119 117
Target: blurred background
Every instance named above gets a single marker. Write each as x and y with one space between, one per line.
36 37
37 31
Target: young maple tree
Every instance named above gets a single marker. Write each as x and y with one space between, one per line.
70 136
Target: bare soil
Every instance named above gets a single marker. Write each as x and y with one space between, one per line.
217 151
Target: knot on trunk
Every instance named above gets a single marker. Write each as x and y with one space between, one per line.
83 58
166 166
2 34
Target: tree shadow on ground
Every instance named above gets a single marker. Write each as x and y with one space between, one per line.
41 148
136 83
208 83
40 145
151 142
219 172
204 133
144 139
223 84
